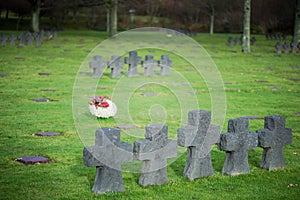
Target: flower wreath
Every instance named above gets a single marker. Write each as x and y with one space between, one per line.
102 107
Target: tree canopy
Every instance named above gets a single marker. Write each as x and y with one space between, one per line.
195 15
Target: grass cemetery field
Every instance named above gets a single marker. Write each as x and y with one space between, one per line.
257 84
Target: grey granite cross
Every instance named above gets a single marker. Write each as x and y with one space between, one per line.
278 47
198 136
154 152
165 63
97 64
236 142
39 39
115 65
133 60
30 39
149 65
286 47
272 139
12 40
21 38
294 45
230 41
4 39
107 156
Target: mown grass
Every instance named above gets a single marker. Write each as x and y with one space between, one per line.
67 177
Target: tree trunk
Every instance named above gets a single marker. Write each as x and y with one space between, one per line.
35 21
114 18
108 20
246 34
297 22
212 19
7 11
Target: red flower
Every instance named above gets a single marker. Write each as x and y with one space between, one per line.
104 104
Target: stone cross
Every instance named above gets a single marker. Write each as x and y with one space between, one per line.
230 41
21 38
107 156
294 45
97 64
30 39
286 47
154 152
54 35
253 41
12 40
149 65
198 137
165 63
272 139
39 39
133 60
236 143
3 40
237 41
278 47
115 65
48 35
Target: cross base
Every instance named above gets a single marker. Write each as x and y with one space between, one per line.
272 159
108 180
197 168
236 163
157 177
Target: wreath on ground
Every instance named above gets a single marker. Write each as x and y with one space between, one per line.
102 107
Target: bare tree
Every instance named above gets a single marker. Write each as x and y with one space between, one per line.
35 18
152 9
297 22
212 16
112 16
246 33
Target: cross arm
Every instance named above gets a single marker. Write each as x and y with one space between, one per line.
125 152
186 135
252 140
264 138
88 157
228 142
144 150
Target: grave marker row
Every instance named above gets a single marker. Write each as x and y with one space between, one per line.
238 41
293 47
133 60
275 36
27 38
198 136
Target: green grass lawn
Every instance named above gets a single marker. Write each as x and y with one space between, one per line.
67 177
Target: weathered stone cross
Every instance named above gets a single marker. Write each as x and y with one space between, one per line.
133 60
272 139
97 64
236 143
149 65
107 156
198 136
154 152
115 65
165 64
